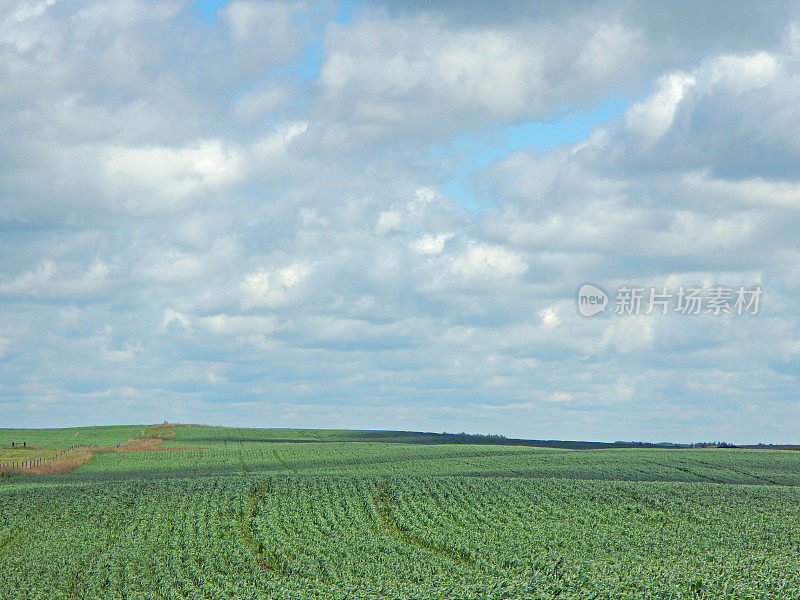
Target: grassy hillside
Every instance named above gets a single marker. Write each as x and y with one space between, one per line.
69 436
258 513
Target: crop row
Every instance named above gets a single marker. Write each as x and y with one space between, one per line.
248 536
364 458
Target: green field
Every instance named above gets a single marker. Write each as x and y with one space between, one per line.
259 513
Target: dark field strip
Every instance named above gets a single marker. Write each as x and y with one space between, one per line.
222 459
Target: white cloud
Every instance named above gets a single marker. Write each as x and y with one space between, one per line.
31 283
744 73
558 397
651 118
628 335
48 280
28 10
488 262
273 288
214 375
388 220
274 146
238 324
174 320
430 244
260 102
754 191
423 196
390 70
98 270
606 48
157 178
263 22
550 317
172 267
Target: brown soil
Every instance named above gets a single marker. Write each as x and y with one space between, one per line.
71 460
146 445
151 440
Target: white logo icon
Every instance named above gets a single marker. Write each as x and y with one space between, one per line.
591 300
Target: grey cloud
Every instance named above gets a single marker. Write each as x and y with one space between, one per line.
383 72
189 232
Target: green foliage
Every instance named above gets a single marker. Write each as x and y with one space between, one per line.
70 436
328 515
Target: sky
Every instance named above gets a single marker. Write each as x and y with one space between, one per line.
377 215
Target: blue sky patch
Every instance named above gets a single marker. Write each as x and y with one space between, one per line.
207 9
474 152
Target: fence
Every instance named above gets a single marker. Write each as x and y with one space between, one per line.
15 465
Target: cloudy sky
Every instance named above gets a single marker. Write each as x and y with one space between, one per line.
377 215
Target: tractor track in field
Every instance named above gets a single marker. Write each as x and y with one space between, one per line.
265 559
745 473
382 503
283 463
700 476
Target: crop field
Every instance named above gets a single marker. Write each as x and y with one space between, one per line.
276 513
